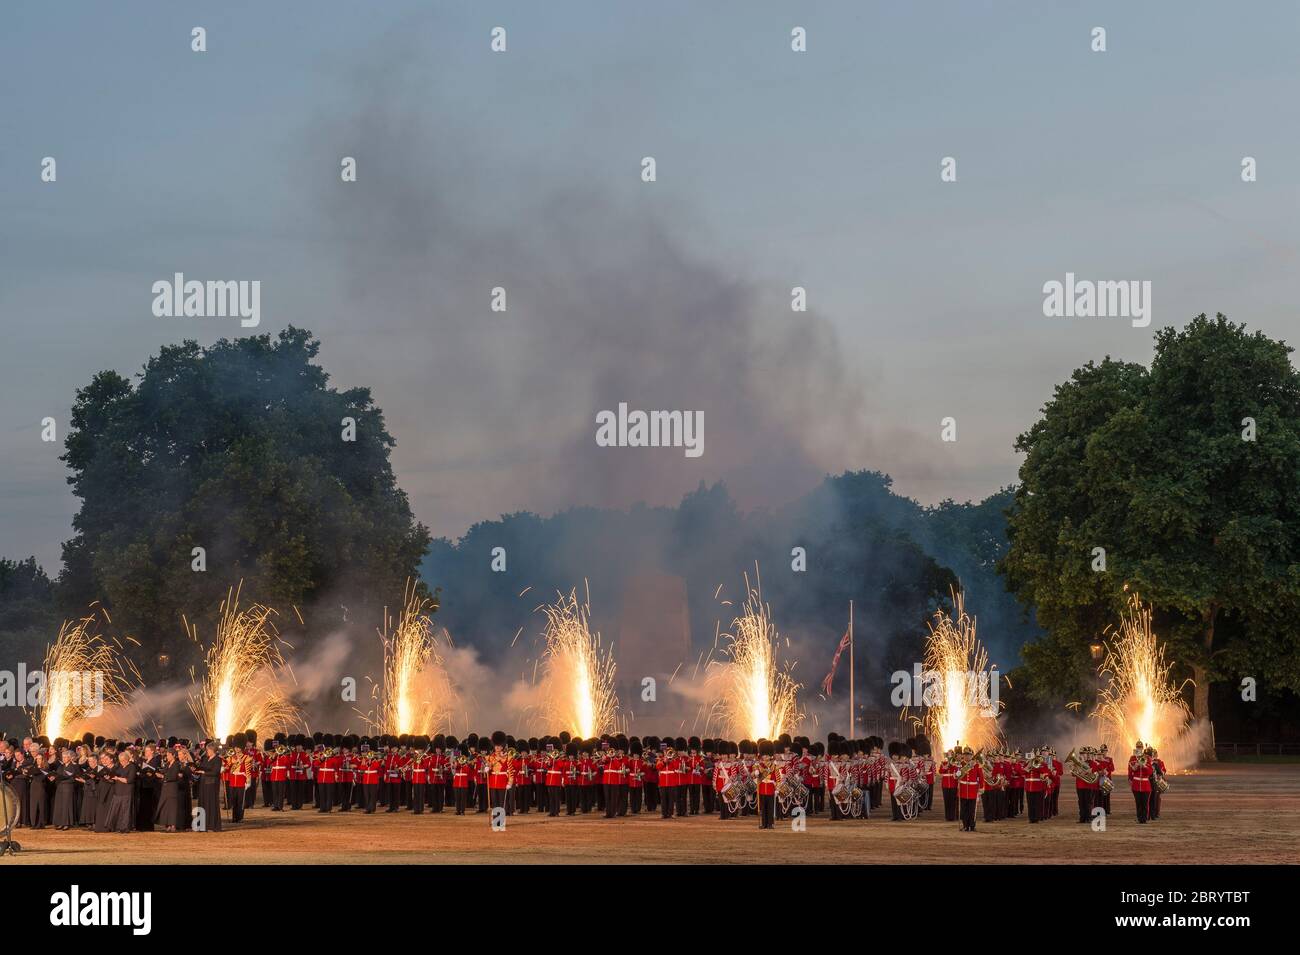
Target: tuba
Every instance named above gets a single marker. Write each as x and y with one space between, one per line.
1080 769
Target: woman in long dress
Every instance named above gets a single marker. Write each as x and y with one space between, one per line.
209 770
103 791
67 780
18 780
186 788
38 795
121 806
169 801
89 781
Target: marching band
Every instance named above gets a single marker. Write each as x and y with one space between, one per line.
106 785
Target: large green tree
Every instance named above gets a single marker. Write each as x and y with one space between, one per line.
1188 475
239 449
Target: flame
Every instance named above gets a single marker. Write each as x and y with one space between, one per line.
241 686
959 698
84 676
417 696
754 697
577 674
1139 701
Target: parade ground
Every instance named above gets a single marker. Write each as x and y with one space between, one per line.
1224 813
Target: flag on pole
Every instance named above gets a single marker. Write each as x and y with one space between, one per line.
844 644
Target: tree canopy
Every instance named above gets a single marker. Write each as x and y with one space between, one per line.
238 448
1188 475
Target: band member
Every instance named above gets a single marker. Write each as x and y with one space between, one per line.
970 780
1104 756
667 766
1157 772
1139 777
694 775
1036 777
586 777
1083 790
948 786
417 771
498 779
298 770
769 774
635 778
236 772
460 772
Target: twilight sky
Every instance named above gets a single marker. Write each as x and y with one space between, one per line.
522 169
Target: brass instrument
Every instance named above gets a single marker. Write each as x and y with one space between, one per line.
1080 769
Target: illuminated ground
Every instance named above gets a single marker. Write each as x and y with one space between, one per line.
1225 814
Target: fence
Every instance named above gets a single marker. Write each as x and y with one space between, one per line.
1257 749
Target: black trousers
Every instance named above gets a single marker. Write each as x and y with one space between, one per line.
437 797
460 797
417 798
481 797
553 800
950 805
896 814
668 798
236 805
570 799
1155 804
324 796
496 798
766 810
1085 804
681 799
586 798
297 792
1143 801
709 796
968 815
620 799
370 796
634 794
344 793
277 794
651 796
1035 806
694 792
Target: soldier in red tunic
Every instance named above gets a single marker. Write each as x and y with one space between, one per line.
1036 777
1139 778
769 774
635 777
462 766
667 765
970 780
572 777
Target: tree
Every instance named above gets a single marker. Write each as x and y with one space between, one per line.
1198 512
238 449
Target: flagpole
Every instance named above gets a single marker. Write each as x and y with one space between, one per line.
851 711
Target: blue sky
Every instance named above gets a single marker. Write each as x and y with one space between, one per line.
521 169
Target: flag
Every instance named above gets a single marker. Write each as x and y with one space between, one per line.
844 645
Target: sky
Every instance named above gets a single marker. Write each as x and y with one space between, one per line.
522 169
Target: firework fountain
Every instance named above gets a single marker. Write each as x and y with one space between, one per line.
242 685
86 676
417 696
754 697
959 694
577 674
1138 700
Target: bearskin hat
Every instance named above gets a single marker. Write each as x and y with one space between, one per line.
766 747
565 736
693 742
922 745
895 748
680 743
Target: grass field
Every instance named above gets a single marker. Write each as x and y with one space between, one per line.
1224 814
